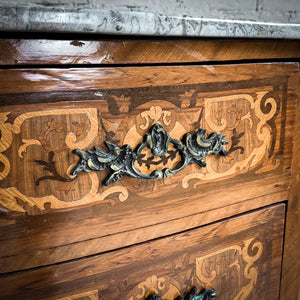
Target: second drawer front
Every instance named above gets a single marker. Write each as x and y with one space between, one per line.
240 258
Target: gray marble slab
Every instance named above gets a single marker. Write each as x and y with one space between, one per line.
58 19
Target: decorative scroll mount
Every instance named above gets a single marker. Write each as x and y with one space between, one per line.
205 294
120 160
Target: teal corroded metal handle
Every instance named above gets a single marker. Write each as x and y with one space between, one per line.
205 294
120 160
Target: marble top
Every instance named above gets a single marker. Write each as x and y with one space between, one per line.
51 19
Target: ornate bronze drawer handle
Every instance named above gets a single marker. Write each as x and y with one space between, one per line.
205 294
120 160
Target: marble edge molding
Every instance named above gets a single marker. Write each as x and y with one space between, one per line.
51 19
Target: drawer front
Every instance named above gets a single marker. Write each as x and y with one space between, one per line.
240 258
56 111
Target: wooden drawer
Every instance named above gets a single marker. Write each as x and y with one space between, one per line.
48 216
239 257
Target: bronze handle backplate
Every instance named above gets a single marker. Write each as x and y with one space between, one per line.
192 149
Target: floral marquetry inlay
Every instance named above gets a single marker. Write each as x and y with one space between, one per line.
67 136
233 271
243 117
164 286
236 260
154 115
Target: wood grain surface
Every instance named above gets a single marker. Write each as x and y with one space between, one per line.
239 257
27 247
253 104
290 287
47 51
100 80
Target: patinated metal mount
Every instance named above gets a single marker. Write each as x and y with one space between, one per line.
205 294
120 160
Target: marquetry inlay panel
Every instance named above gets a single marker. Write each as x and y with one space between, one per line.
36 146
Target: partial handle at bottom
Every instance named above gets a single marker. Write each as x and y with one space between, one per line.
205 294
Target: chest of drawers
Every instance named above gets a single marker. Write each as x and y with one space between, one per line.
106 235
